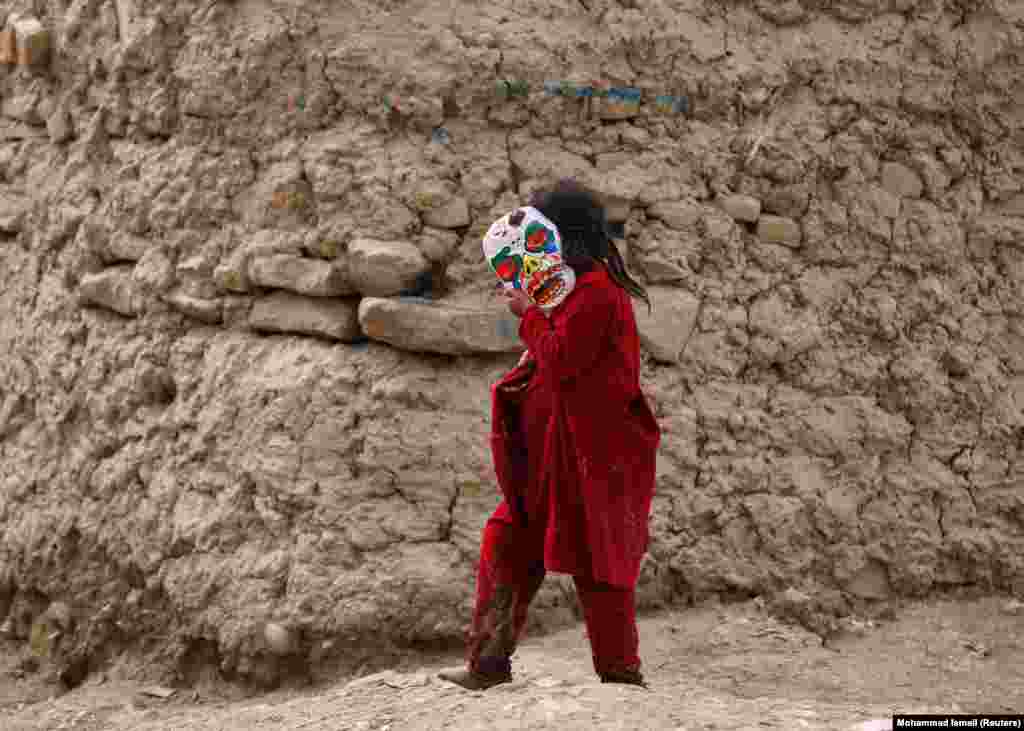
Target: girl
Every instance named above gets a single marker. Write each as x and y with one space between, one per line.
573 441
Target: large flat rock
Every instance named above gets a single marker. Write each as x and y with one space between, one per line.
666 329
741 207
210 311
285 312
421 325
384 268
113 289
314 277
901 181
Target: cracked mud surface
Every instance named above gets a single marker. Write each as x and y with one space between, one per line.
221 421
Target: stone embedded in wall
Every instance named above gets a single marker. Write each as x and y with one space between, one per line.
741 207
113 288
270 241
680 215
279 639
664 255
314 277
424 326
871 582
665 331
437 245
59 125
232 275
154 272
781 12
451 214
900 180
33 41
779 230
790 201
384 268
123 246
127 13
205 310
285 312
194 275
657 269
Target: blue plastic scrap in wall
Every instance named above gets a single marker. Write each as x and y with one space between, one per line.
508 328
624 94
668 103
421 288
441 136
616 95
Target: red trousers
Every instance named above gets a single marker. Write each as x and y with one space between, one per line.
512 556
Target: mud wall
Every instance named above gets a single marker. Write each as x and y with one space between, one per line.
246 346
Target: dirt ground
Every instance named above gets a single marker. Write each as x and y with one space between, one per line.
711 667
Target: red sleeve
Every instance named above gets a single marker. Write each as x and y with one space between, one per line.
570 342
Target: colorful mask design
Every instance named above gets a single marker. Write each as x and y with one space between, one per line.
524 250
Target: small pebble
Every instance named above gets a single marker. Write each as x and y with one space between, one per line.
279 639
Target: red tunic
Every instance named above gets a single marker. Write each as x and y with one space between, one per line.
590 435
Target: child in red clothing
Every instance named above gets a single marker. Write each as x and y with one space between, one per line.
573 440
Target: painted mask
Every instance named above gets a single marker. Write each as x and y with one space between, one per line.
524 249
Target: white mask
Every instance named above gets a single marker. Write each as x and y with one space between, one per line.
524 250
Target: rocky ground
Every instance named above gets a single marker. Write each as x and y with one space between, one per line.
710 667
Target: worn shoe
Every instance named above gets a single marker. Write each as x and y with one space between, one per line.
626 677
475 680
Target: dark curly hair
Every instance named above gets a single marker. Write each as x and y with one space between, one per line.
583 226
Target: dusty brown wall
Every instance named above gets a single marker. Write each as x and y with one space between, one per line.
833 240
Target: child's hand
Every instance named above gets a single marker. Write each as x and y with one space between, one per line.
518 302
